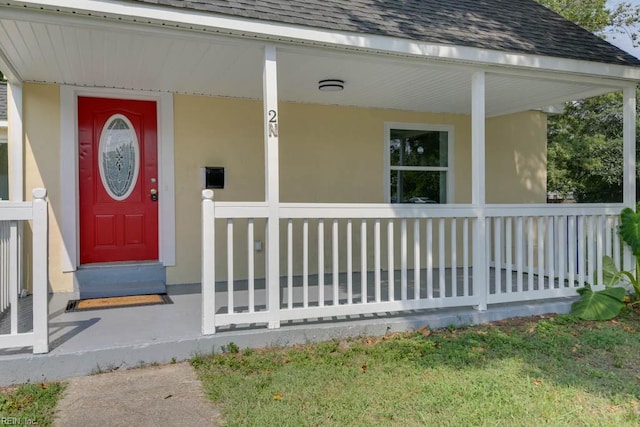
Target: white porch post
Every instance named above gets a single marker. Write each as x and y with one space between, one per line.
15 147
40 272
208 263
629 158
272 183
480 266
14 139
629 146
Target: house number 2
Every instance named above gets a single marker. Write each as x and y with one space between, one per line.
272 123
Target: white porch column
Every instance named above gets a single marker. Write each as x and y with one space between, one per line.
272 183
15 145
629 146
208 263
40 272
478 177
629 158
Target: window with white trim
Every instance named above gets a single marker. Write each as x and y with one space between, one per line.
419 163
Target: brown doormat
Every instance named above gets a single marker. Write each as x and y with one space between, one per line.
117 302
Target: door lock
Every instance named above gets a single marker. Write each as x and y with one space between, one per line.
154 195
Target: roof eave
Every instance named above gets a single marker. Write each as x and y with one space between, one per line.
300 35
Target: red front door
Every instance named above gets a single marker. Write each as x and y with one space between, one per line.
118 180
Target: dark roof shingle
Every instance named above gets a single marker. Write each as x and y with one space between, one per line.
521 26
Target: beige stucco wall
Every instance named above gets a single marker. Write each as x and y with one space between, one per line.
212 132
327 154
41 125
516 164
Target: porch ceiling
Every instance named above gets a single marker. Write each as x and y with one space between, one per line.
124 56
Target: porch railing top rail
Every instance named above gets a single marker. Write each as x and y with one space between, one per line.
541 209
242 210
387 210
373 210
16 211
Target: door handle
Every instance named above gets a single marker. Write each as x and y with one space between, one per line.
154 195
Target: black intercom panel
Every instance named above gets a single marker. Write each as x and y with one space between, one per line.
213 177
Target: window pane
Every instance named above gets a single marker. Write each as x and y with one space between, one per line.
119 160
4 173
418 148
418 187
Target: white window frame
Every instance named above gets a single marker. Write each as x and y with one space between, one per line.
424 127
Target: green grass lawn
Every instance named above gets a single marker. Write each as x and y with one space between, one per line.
29 404
552 370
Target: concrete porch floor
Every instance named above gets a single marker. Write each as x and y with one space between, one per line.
86 342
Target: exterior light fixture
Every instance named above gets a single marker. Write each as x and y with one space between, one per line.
331 85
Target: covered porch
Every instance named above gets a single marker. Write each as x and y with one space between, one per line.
312 225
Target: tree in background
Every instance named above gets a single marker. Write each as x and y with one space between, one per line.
591 15
624 20
584 151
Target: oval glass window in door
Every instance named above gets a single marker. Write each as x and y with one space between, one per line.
118 157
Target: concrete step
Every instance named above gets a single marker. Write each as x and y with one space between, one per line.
122 289
120 280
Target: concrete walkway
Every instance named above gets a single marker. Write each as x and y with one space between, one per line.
169 395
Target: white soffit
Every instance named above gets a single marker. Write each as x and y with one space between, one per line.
100 57
509 94
415 86
373 82
141 14
185 62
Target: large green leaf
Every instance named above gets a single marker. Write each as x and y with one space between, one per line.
610 273
630 229
599 305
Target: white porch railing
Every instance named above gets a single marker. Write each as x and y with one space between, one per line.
547 251
11 215
352 259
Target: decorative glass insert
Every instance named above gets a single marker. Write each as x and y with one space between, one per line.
118 157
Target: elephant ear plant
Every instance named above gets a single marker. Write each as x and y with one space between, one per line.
606 303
